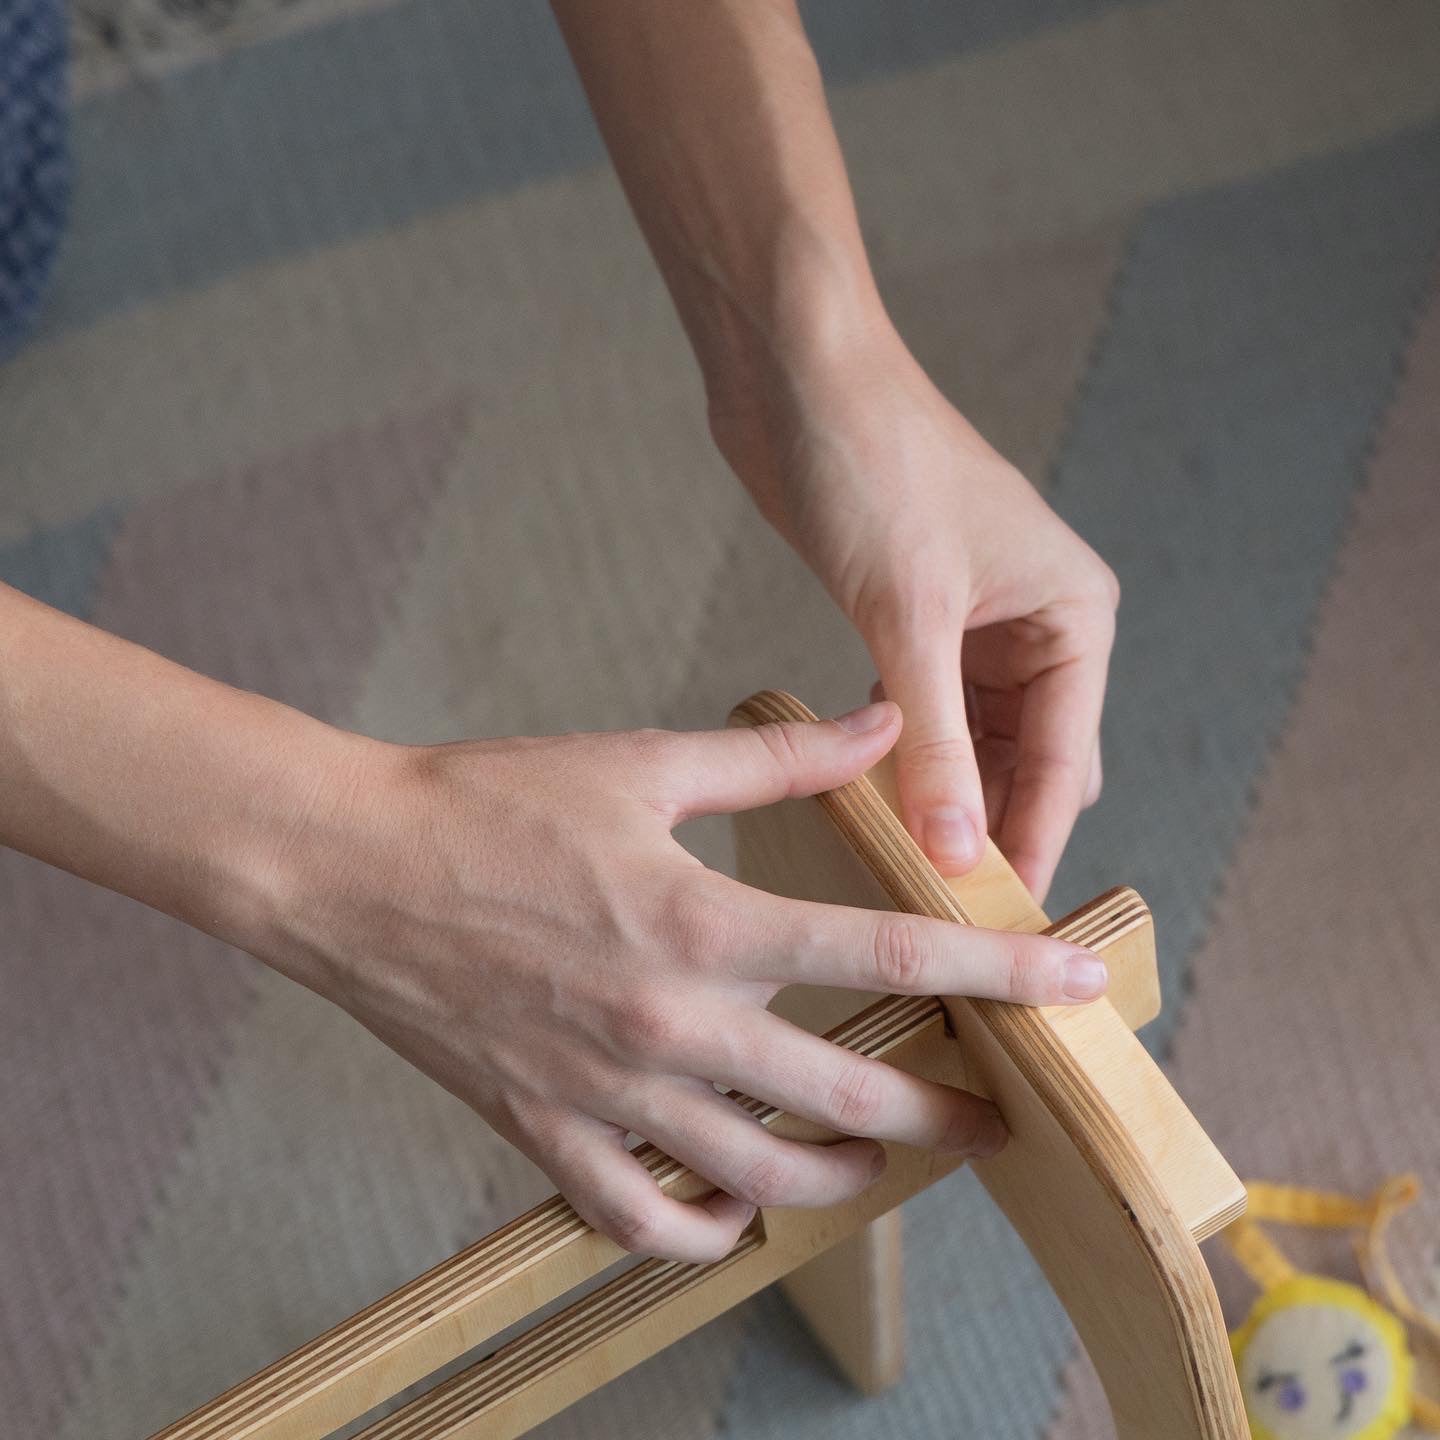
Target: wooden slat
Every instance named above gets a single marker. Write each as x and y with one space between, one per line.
1106 1174
498 1397
485 1288
487 1398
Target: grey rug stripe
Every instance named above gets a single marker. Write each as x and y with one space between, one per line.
367 122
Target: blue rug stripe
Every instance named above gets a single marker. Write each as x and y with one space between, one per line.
62 565
368 122
1256 333
34 158
1256 329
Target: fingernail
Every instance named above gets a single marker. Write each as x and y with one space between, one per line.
990 1138
1085 976
950 836
864 720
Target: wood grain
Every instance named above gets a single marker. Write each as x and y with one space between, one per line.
515 1270
1107 1178
795 849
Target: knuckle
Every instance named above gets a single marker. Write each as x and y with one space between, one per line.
635 1228
708 1251
657 768
515 1114
855 1098
901 955
1083 624
768 1180
811 942
1096 584
943 752
782 745
646 1026
1107 583
700 923
919 610
1052 772
652 746
1095 619
1033 974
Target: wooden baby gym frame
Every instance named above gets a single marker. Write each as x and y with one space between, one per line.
1108 1178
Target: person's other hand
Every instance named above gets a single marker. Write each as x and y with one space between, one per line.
515 918
989 620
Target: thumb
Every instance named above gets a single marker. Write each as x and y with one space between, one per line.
716 772
941 799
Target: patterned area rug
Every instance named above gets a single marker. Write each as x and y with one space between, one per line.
357 387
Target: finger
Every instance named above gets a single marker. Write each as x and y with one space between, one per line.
802 942
715 772
996 757
728 1146
973 705
940 794
1054 751
808 1076
995 717
614 1193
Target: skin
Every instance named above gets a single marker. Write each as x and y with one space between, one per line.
928 541
514 916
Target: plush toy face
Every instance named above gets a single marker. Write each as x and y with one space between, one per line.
1319 1360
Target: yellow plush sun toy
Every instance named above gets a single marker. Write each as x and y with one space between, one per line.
1321 1359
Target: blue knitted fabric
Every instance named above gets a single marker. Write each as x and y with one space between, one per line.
34 164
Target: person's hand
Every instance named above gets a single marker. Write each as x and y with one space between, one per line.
516 919
989 620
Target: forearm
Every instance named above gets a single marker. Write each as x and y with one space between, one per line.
149 779
716 118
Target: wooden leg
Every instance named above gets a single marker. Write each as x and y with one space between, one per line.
851 1298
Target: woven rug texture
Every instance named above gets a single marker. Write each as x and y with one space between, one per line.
356 386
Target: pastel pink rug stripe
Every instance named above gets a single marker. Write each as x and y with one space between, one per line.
1311 1044
277 578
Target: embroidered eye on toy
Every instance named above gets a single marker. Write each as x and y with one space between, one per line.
1320 1359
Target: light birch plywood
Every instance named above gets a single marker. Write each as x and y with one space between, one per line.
1107 1178
794 849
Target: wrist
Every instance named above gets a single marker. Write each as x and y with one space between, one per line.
816 309
771 425
294 847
